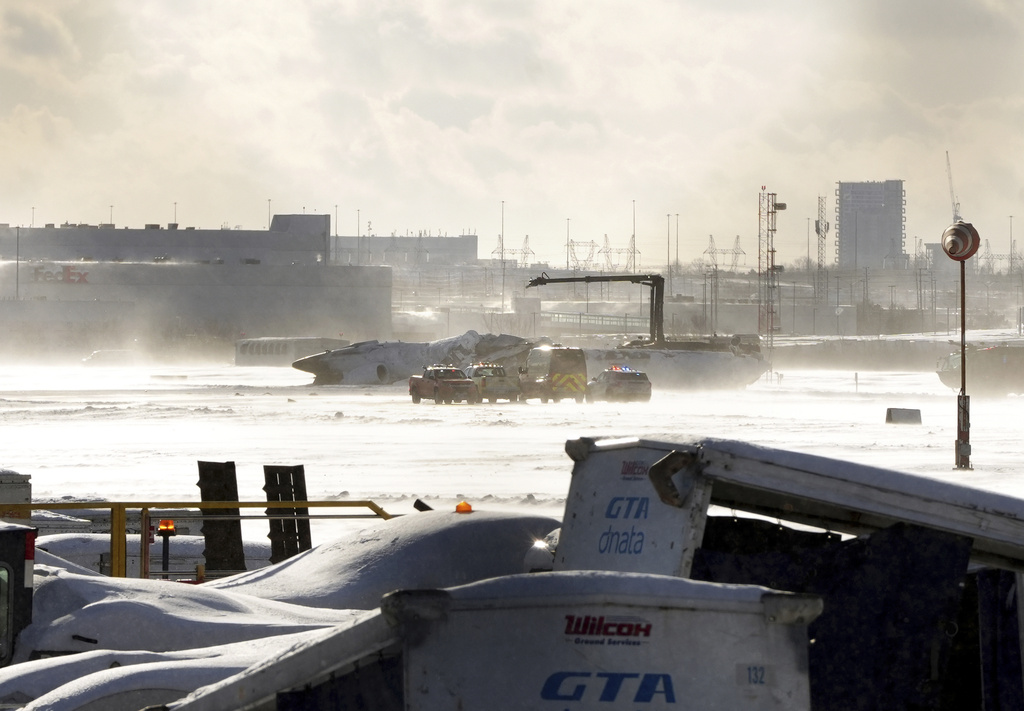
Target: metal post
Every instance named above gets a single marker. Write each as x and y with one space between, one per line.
145 540
960 242
963 400
167 554
166 530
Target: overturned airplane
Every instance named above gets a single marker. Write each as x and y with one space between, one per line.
712 362
377 363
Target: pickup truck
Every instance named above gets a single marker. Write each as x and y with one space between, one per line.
492 383
442 383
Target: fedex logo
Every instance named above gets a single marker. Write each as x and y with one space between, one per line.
67 274
606 686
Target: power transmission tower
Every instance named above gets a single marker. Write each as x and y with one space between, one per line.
582 254
526 254
711 252
736 251
632 252
607 251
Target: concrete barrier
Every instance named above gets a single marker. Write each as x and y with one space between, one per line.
902 416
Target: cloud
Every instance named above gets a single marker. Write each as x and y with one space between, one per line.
430 115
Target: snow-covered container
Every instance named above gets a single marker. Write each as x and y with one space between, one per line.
613 640
550 641
920 577
15 488
615 518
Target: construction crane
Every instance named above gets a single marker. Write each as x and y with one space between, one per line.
952 194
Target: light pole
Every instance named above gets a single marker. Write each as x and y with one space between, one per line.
502 256
668 250
677 238
960 241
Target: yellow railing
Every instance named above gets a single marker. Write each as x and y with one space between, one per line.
119 517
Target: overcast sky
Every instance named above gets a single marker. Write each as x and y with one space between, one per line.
567 118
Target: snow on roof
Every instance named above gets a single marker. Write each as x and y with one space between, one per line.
138 642
431 549
88 677
77 613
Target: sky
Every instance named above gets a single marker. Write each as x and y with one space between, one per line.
579 121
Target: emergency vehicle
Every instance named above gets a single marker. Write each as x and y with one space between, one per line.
554 373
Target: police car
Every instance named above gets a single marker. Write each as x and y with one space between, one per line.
619 382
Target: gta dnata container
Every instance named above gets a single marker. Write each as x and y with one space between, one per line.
603 640
547 641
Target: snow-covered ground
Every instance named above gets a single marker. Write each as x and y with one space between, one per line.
126 433
136 434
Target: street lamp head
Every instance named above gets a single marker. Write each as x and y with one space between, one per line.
960 241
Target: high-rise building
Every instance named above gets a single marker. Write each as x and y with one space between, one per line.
870 225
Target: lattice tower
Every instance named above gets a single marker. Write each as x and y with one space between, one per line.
582 254
821 227
767 277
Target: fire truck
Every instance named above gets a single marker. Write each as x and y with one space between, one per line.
554 373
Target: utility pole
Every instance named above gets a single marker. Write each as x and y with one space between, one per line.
502 256
677 238
567 244
668 249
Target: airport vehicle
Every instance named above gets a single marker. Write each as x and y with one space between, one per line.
442 383
619 382
554 373
493 383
